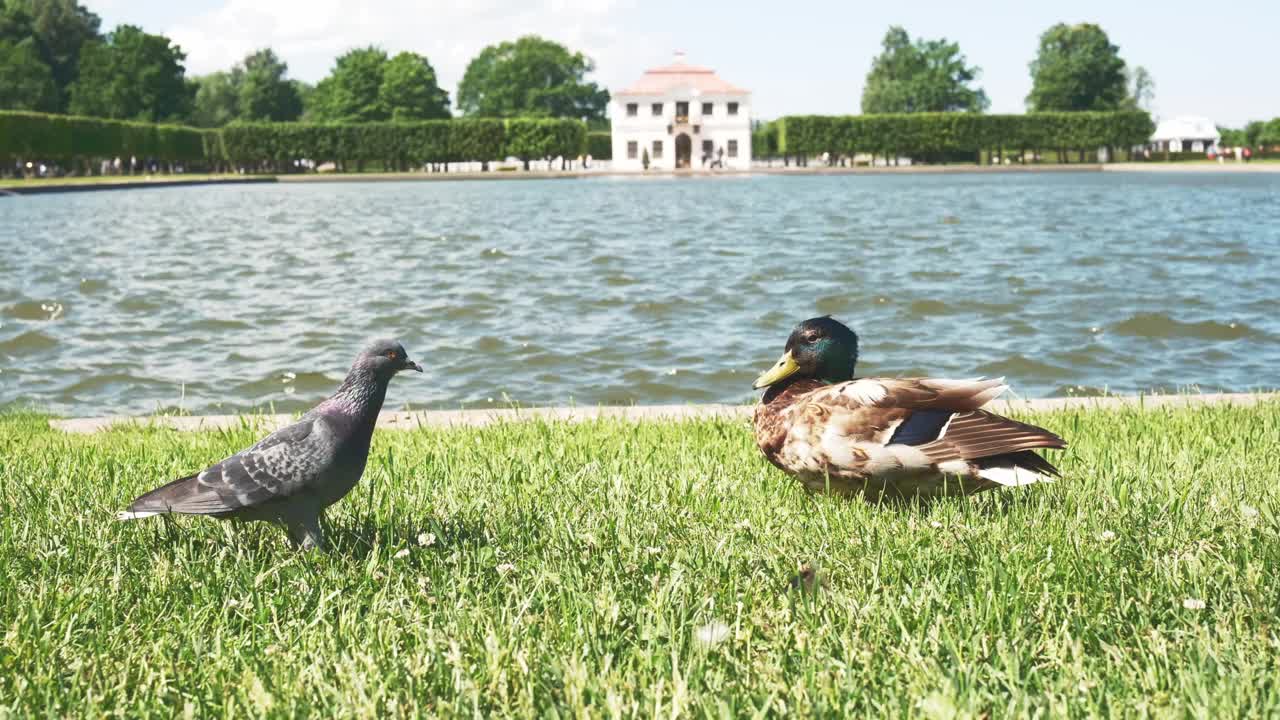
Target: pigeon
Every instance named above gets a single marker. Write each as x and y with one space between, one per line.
293 474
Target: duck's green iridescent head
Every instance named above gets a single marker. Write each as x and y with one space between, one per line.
819 348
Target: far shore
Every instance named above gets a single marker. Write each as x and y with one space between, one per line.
43 186
1195 166
86 184
410 420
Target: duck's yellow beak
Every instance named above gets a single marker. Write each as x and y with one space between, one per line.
783 369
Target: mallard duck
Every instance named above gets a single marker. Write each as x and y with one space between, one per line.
887 437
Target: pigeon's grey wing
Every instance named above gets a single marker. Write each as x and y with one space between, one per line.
280 465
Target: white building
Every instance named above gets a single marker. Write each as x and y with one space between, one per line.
682 116
1185 134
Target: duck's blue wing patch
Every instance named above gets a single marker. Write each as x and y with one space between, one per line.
920 427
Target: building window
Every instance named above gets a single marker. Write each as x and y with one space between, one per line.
657 109
733 148
682 112
707 148
657 149
707 108
733 108
633 109
633 148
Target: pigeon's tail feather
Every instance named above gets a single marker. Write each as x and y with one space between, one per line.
131 515
184 495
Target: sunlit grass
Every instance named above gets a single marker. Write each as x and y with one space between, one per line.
616 568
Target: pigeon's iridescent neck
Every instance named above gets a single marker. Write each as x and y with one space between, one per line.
360 394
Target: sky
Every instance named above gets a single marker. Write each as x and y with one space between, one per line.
807 57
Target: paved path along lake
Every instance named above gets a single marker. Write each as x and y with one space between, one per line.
634 290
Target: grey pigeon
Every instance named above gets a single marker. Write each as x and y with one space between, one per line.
293 474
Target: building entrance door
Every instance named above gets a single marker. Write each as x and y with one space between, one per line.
684 150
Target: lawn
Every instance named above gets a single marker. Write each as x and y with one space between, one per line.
651 569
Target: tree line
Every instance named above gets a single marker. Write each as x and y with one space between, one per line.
1256 134
55 58
1077 68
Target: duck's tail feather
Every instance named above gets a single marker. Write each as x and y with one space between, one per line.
1016 469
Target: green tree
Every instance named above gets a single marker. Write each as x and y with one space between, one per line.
61 29
921 76
305 91
16 24
1142 89
1231 137
1269 134
531 77
409 90
132 76
350 92
254 90
217 99
26 81
1253 132
264 93
1077 68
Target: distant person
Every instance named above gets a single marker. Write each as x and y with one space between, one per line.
1248 153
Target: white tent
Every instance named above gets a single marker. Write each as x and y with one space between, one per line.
1187 133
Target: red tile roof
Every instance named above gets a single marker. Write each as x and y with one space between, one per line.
657 81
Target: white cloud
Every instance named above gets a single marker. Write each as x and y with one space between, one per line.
310 34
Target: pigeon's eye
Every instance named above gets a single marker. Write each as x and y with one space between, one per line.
391 354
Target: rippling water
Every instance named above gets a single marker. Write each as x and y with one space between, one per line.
634 290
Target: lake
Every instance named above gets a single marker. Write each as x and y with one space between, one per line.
634 290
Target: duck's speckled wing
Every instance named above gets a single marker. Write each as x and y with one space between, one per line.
280 465
905 430
912 393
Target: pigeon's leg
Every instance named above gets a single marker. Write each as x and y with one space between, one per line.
304 532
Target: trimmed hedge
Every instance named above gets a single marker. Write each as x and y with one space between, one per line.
403 144
71 138
764 140
923 134
600 145
257 145
1162 156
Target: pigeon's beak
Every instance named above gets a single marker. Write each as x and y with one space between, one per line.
411 365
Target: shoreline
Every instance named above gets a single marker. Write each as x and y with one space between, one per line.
692 174
55 187
46 187
1206 166
411 420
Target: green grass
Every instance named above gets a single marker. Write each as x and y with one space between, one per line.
570 570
